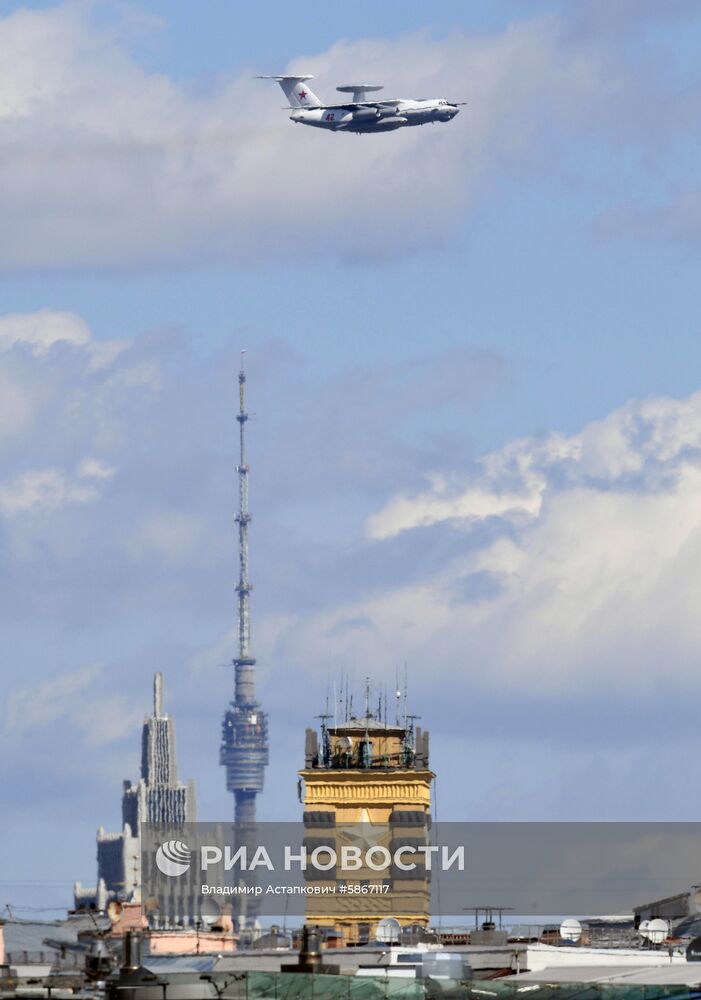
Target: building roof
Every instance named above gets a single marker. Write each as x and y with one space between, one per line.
366 723
663 974
162 964
31 935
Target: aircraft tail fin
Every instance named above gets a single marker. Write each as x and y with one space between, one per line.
296 90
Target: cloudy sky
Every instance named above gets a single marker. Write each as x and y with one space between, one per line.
474 354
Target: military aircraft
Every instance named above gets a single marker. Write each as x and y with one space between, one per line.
360 114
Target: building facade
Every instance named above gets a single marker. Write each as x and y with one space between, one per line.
158 797
367 782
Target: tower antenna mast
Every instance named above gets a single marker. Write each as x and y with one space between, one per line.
244 747
243 519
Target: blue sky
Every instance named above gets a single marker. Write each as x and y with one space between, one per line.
473 355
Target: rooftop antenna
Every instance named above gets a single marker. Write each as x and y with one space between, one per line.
366 748
397 693
405 694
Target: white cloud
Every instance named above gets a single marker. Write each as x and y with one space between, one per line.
39 351
146 374
512 485
644 438
104 352
592 587
169 534
109 717
106 163
32 392
40 704
16 408
93 468
62 395
102 718
48 489
441 503
41 330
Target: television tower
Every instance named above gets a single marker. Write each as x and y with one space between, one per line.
244 746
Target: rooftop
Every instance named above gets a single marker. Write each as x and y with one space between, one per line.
366 724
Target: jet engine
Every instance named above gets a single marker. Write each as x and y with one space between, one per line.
388 124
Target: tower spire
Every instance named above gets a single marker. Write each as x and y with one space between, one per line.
244 747
243 519
158 695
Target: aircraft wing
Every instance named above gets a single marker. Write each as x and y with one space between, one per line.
349 105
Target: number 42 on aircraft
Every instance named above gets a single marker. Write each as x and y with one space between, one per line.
360 114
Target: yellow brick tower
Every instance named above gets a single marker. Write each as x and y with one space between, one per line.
367 782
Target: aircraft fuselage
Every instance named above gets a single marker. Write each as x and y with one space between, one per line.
380 118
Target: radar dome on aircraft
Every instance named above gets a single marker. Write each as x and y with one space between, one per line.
351 88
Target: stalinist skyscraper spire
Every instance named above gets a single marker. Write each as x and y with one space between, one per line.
244 747
158 797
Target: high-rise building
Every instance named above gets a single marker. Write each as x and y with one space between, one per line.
158 797
367 782
244 745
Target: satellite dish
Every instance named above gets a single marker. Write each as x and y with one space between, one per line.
345 744
657 930
388 930
570 929
644 929
114 910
